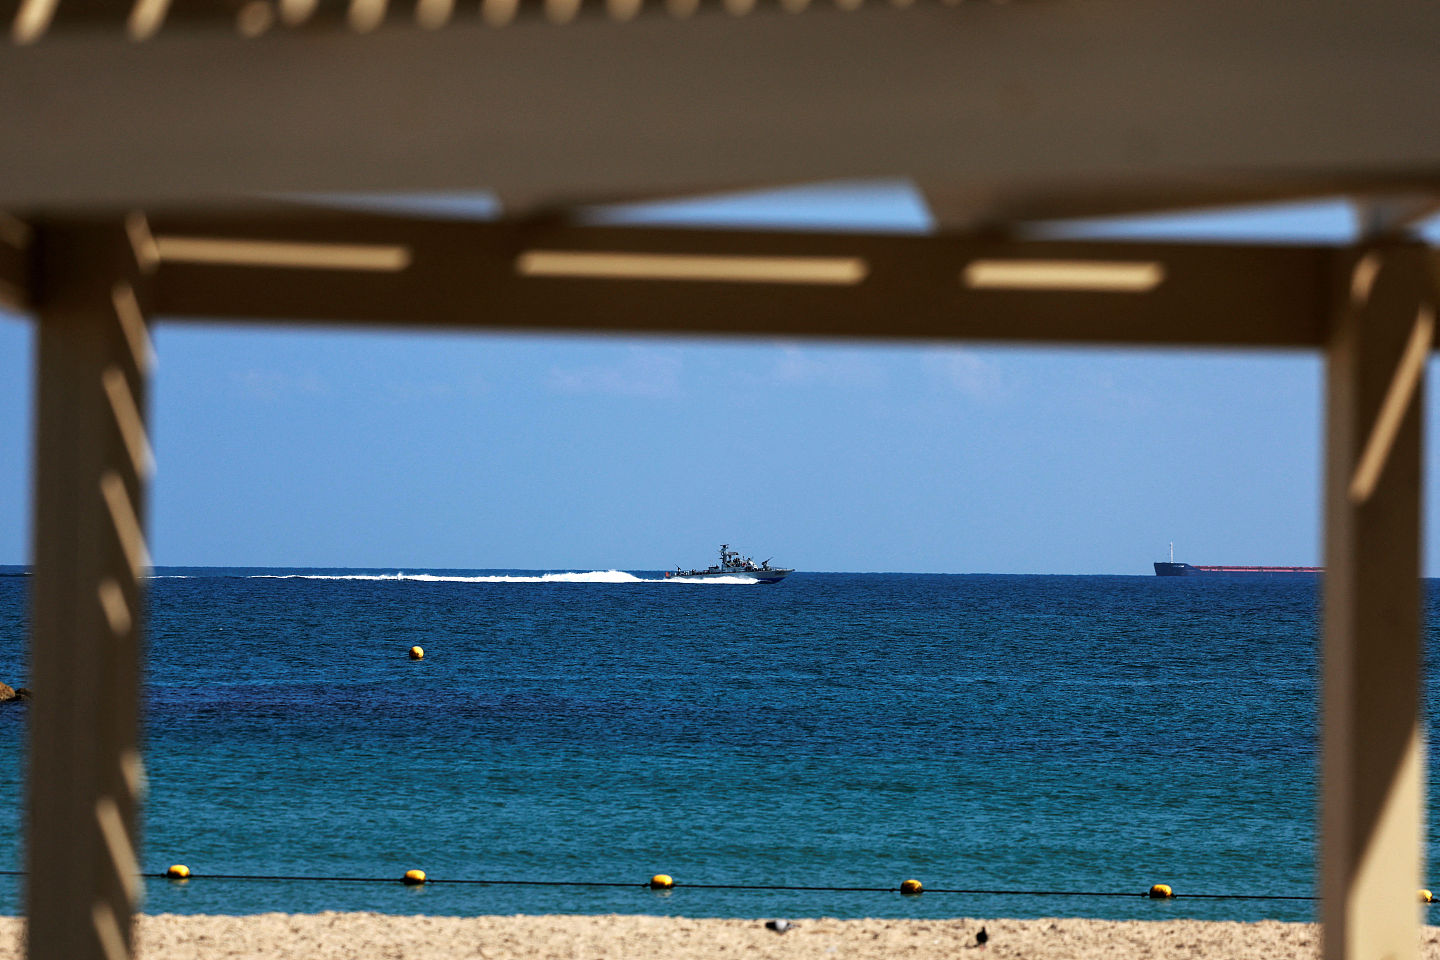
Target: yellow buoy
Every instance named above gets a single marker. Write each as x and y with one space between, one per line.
417 653
1426 896
1161 891
178 872
661 881
911 887
413 878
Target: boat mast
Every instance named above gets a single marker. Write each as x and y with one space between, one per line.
1172 551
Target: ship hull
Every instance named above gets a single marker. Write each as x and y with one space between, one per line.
759 576
1164 569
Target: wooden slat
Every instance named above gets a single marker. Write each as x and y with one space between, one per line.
471 275
1393 214
15 262
166 17
1000 101
1373 771
957 208
91 472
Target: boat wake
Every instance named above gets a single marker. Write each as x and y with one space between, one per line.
593 576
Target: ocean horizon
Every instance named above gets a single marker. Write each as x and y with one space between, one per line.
1049 744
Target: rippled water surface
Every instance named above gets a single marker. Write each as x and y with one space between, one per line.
1093 734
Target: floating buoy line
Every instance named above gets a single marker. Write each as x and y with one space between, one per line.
663 882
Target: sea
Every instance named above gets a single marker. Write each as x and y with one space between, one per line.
1024 746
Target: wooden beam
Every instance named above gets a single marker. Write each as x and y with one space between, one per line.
1002 100
357 268
1373 770
91 470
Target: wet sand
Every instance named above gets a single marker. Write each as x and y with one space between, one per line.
274 936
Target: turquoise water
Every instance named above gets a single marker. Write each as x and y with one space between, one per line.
976 732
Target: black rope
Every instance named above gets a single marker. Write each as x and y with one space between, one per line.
1144 893
800 888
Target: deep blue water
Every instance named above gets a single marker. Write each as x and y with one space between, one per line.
976 732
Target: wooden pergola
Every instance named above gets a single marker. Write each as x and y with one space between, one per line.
149 147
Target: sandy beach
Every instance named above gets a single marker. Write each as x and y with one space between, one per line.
321 936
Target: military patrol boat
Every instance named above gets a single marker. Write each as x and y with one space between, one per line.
733 565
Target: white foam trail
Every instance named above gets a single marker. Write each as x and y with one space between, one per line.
593 576
735 581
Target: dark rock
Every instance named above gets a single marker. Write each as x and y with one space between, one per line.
22 693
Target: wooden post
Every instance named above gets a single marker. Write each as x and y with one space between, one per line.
1373 776
92 463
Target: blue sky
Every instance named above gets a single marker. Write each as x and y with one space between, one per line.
323 447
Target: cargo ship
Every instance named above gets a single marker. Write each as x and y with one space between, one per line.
1172 569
